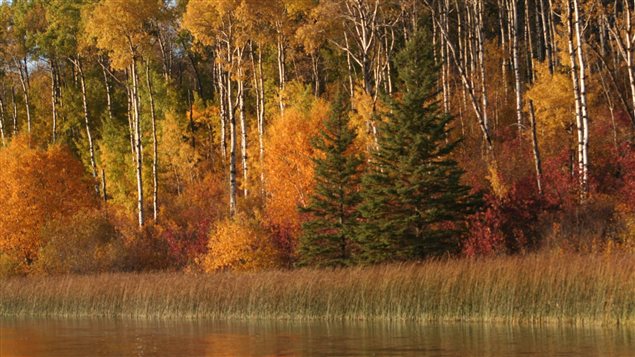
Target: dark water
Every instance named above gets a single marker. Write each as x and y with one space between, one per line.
70 338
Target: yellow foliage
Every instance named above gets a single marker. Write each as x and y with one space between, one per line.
239 243
121 26
205 18
361 117
178 156
499 187
554 104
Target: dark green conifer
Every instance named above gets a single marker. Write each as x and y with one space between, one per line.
327 235
414 204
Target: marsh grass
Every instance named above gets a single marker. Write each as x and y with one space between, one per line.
537 288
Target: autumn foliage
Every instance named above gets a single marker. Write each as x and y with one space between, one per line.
38 186
146 135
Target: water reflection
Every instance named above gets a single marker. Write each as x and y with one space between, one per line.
72 338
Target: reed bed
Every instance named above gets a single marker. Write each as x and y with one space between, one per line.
537 288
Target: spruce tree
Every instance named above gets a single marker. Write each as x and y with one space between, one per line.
413 201
327 235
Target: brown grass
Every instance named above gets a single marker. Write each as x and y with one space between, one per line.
536 288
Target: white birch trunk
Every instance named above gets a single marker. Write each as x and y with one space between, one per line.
89 136
232 138
24 81
281 70
536 147
15 112
53 101
138 141
155 149
481 59
243 125
583 99
513 19
576 92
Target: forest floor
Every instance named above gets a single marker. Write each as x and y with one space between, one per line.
538 288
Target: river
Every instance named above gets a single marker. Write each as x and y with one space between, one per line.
71 338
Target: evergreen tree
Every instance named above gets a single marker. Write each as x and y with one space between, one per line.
327 235
413 200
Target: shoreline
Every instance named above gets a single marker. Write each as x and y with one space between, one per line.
534 289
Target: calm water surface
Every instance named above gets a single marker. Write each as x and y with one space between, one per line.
70 338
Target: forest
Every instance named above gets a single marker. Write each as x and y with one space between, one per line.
215 135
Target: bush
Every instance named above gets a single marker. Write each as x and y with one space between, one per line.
239 244
84 243
38 186
9 266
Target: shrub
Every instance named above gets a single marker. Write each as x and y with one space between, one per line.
84 243
239 243
9 266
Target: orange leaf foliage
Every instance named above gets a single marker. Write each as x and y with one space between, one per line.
37 186
288 164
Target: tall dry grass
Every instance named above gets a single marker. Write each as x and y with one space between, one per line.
537 288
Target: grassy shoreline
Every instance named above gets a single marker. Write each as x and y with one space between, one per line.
533 289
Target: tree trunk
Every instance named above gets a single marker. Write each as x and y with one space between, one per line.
546 35
155 149
536 147
481 58
89 136
260 110
54 100
513 20
130 116
349 65
232 139
2 133
222 99
24 81
137 139
315 66
467 83
281 70
15 112
577 95
107 86
530 44
625 43
104 190
243 125
583 100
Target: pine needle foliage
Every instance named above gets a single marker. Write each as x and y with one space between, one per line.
328 234
414 203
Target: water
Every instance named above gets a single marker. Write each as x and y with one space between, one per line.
70 338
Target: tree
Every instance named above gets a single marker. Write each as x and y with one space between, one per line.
120 27
38 186
288 167
328 234
213 23
414 204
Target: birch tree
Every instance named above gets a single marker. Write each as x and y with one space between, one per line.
213 23
126 24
